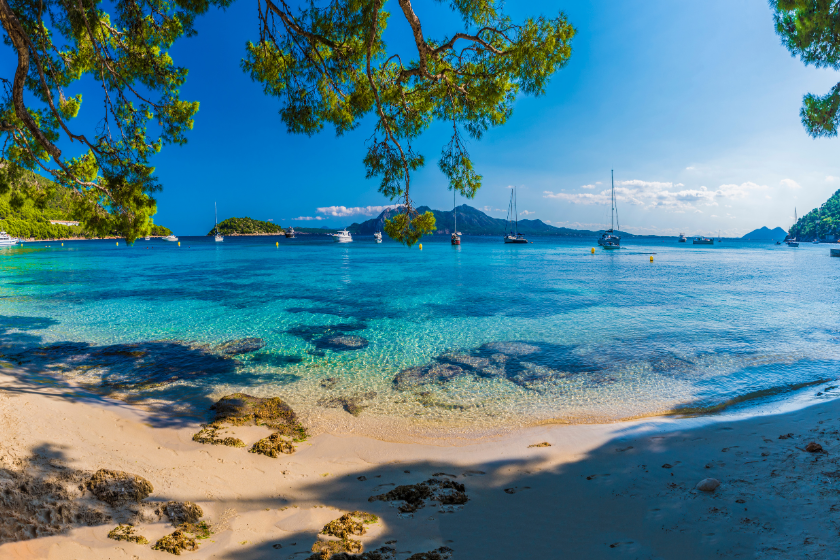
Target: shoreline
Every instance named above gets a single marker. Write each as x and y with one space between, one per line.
628 487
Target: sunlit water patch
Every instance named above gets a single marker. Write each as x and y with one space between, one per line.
484 336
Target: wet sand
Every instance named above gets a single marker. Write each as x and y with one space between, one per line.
616 491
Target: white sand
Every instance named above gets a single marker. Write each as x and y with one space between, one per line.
597 492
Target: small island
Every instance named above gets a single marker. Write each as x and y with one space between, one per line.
246 226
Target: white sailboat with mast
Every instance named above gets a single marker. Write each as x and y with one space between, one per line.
513 236
792 242
609 240
456 237
218 237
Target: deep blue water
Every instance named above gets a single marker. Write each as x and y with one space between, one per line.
485 334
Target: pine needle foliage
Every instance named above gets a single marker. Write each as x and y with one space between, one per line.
810 30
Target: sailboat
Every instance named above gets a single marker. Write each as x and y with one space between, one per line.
513 236
456 238
608 239
218 237
792 242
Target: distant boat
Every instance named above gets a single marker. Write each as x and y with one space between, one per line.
816 240
513 236
170 238
7 240
609 240
218 237
791 241
683 238
378 236
289 233
456 239
703 241
342 236
146 238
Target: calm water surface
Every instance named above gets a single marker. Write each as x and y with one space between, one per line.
482 335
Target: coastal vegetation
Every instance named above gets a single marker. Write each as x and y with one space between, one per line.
246 226
29 218
326 65
808 29
822 222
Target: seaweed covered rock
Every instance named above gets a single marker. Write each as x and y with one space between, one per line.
116 487
176 542
240 409
208 435
384 553
126 533
324 549
442 553
273 446
182 512
414 496
240 346
349 525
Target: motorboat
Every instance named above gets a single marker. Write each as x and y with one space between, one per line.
342 236
512 234
289 233
609 240
218 236
683 238
170 238
792 242
7 240
703 241
146 238
378 236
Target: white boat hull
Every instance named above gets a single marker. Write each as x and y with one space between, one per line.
338 239
219 239
8 242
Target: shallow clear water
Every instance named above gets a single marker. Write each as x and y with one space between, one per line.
484 335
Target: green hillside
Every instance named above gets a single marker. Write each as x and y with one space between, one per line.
246 226
823 221
21 217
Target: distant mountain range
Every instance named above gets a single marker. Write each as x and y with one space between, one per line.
474 222
766 234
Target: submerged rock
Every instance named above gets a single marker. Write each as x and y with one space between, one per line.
708 485
351 405
126 533
510 348
442 553
329 382
422 375
813 447
116 487
341 342
240 346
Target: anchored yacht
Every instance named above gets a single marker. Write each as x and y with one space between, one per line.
7 240
342 236
609 240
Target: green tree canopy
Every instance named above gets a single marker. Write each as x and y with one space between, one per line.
810 29
324 60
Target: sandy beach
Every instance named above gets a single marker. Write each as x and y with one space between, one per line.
624 490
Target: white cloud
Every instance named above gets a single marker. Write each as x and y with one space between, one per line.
308 218
588 186
690 168
790 183
344 211
526 213
654 194
830 179
598 182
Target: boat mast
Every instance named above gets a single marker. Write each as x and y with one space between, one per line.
515 214
216 217
455 211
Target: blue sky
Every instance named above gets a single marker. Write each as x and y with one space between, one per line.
694 104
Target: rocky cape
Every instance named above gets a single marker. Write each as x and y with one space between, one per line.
472 221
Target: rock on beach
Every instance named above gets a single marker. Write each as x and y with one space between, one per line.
708 485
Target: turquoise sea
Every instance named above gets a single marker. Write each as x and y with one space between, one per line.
482 336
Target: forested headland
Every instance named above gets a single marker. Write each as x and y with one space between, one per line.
822 222
247 226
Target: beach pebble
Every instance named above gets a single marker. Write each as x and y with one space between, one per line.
708 485
666 466
785 436
813 447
